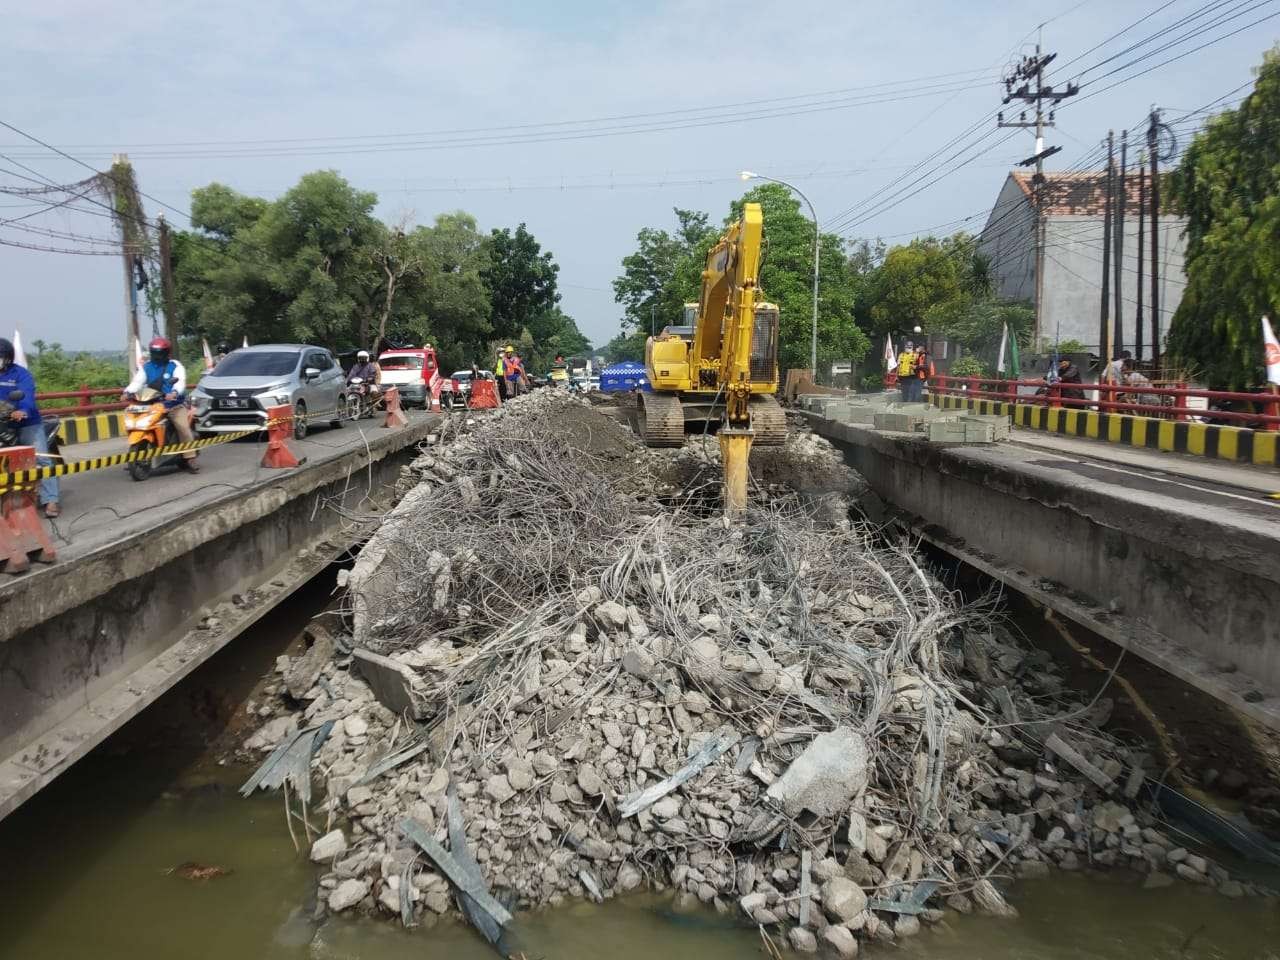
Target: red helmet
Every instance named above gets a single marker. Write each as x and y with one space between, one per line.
158 350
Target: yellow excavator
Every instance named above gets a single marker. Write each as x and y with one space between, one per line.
721 367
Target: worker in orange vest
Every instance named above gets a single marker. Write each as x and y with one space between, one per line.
923 371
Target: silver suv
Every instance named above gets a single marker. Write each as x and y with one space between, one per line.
235 395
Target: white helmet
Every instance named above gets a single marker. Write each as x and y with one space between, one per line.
362 355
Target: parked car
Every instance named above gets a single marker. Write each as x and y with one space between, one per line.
413 371
236 393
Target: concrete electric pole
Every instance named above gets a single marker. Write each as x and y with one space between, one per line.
1018 84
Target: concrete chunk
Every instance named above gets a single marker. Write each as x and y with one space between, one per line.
830 772
393 684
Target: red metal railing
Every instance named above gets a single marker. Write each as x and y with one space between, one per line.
55 404
1120 398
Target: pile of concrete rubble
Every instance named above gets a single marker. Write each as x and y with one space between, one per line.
783 718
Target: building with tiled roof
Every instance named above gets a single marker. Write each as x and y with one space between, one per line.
1074 210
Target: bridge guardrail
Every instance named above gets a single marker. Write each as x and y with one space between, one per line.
1120 398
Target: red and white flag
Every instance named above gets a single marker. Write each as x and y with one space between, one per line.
1270 352
139 358
208 357
19 355
890 358
246 340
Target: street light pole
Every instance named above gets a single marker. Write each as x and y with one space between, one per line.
813 345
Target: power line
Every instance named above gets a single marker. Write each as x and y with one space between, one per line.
507 128
93 170
551 136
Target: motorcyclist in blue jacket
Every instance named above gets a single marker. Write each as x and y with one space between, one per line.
16 378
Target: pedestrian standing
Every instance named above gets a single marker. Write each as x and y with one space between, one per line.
15 378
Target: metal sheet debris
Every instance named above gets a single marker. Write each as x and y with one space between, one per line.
724 738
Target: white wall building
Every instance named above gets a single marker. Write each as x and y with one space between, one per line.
1075 204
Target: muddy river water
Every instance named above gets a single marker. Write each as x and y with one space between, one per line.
86 872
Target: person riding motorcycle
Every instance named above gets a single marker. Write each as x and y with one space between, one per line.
167 377
24 415
366 370
370 375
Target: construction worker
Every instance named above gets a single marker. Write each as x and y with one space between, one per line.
924 372
906 372
500 374
513 369
167 377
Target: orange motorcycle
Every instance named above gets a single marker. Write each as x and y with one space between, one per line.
146 421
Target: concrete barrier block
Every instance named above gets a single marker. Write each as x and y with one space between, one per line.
898 422
999 426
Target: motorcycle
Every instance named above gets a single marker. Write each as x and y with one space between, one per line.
362 398
146 423
9 428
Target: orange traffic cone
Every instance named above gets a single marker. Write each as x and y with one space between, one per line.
22 537
279 430
395 416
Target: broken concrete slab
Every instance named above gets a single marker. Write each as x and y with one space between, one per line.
393 684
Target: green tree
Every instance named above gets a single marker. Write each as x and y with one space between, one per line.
1228 187
445 301
786 277
521 280
925 274
292 269
626 346
979 324
664 273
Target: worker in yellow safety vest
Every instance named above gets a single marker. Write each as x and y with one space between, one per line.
906 372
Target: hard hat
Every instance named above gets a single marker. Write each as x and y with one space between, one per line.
510 348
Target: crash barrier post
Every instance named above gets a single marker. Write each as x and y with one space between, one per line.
395 416
22 537
484 395
279 430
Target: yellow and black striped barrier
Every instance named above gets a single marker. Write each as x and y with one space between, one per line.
94 426
22 479
1237 444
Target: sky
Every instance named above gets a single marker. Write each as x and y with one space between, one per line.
840 97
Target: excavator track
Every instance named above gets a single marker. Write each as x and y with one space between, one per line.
768 422
661 420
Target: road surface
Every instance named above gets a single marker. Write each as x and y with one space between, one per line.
104 505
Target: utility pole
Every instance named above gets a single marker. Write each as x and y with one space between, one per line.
171 328
1117 346
1104 317
1138 332
1018 86
121 171
1153 148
